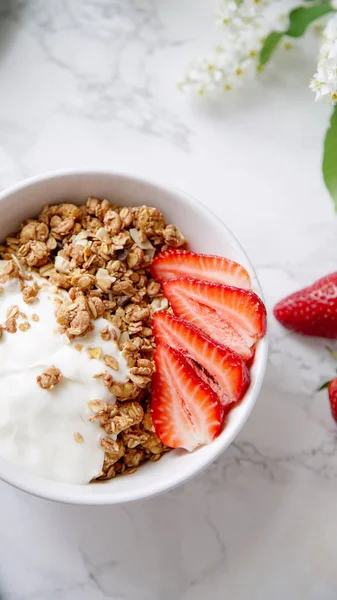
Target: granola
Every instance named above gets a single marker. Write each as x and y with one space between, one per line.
98 256
49 378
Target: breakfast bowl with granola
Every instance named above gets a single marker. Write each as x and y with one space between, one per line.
132 337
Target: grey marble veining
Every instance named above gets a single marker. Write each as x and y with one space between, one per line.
109 36
92 83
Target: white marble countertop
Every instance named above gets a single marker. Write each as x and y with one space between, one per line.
92 83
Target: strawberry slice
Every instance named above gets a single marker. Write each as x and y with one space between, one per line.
186 412
178 263
231 316
228 374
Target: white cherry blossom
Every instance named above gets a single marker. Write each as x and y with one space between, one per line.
324 82
244 25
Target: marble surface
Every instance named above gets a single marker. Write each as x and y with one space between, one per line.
92 83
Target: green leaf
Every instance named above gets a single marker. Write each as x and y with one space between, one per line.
299 20
269 46
332 352
330 158
324 386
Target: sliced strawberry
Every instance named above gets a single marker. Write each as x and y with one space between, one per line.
186 412
229 374
250 362
177 263
231 316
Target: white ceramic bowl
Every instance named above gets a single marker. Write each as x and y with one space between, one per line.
207 234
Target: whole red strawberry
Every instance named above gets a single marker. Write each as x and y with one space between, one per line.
332 389
313 310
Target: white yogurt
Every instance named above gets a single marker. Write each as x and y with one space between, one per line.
37 426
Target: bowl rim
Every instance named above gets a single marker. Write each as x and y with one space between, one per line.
68 493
